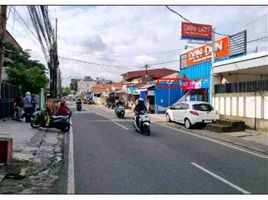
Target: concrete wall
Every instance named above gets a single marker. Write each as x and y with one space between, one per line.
249 107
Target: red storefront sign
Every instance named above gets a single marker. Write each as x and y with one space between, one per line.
196 31
203 53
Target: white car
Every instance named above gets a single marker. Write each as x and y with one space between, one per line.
192 112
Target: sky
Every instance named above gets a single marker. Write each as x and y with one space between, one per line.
125 38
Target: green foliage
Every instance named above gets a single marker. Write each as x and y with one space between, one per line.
27 74
74 85
65 91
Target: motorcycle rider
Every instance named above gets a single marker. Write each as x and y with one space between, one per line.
78 102
138 108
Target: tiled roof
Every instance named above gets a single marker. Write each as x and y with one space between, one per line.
156 73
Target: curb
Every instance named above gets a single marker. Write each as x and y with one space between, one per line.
238 142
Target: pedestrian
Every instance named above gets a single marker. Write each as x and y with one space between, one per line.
27 106
34 102
18 105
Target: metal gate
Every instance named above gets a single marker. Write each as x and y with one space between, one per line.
8 93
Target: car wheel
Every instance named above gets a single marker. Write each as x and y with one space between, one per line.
187 123
168 118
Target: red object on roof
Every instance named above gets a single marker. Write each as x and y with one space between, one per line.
156 73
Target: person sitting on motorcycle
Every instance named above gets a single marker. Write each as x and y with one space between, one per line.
138 108
118 102
63 110
78 101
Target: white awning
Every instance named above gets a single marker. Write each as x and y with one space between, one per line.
252 64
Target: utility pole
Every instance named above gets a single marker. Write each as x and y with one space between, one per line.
53 66
211 92
3 20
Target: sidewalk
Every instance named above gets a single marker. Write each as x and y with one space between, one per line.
37 157
250 139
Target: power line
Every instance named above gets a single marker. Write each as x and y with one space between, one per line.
192 22
203 27
107 65
255 20
25 26
91 63
130 55
257 39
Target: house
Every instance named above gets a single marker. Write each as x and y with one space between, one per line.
85 86
101 91
9 38
142 84
12 40
100 80
141 76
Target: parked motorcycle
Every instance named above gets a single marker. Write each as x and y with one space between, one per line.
143 124
59 122
120 111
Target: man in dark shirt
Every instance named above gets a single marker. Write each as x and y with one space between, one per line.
138 108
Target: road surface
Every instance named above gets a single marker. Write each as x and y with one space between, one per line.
110 157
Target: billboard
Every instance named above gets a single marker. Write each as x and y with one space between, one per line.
203 53
196 31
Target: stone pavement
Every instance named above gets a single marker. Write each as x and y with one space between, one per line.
37 158
249 139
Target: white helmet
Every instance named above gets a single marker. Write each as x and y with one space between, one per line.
140 100
28 93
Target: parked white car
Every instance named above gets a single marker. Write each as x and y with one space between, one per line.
192 112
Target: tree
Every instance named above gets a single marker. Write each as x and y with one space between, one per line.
74 84
26 74
65 91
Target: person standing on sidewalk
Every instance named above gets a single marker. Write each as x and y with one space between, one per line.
34 102
27 106
18 104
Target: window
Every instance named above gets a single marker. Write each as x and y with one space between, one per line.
203 107
178 107
184 106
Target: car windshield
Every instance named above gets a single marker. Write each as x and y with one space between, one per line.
203 107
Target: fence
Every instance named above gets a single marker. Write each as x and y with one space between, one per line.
249 86
8 94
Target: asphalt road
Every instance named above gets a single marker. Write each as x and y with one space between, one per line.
110 157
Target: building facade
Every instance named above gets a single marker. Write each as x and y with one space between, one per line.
241 89
236 84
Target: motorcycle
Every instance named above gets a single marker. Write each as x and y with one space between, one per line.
79 106
59 122
120 111
143 125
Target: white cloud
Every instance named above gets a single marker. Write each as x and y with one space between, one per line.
124 35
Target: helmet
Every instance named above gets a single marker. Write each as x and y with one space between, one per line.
28 93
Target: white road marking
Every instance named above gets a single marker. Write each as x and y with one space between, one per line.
220 178
121 125
71 185
110 120
214 140
101 114
82 112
